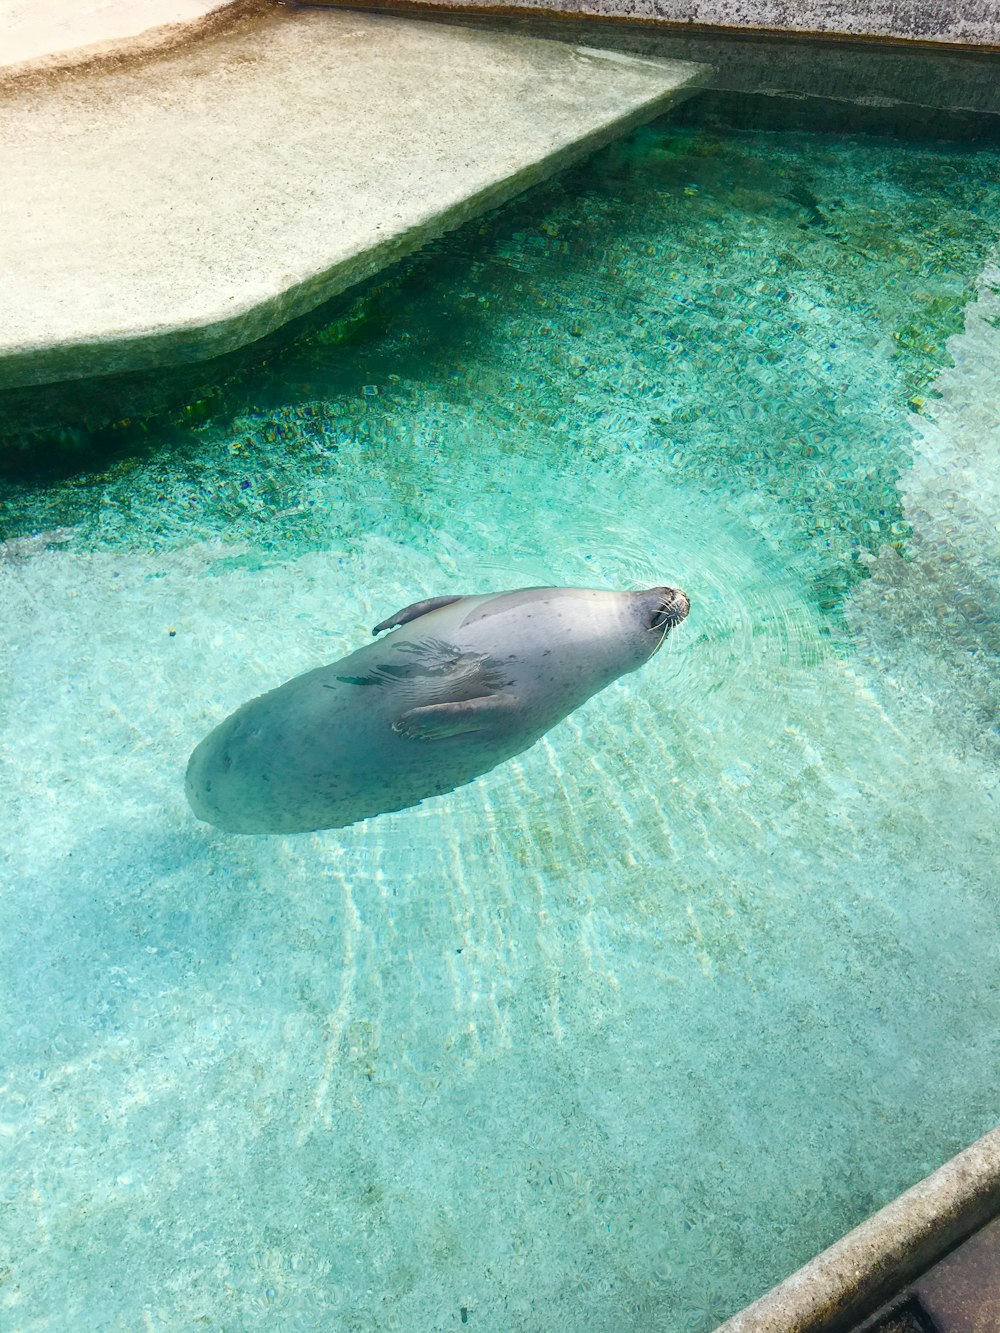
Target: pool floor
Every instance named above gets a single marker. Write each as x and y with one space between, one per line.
624 1032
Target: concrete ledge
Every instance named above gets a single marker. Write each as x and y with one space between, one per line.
49 34
969 23
894 77
851 1279
172 209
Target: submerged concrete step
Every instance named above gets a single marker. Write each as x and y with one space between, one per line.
173 208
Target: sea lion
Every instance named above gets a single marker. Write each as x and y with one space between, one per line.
461 685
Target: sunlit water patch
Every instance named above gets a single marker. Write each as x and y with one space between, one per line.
617 1035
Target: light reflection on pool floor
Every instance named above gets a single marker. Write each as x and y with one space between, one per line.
620 1034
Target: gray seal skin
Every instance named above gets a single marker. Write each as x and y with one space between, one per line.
461 685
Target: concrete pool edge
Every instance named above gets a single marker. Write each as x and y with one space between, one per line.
185 344
104 45
73 314
938 28
879 74
848 1282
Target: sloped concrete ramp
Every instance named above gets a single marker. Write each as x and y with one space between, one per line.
176 207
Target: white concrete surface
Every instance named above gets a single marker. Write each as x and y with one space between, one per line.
32 30
170 209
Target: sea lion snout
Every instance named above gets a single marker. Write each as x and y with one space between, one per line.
670 607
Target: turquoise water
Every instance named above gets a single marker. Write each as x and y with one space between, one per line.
621 1034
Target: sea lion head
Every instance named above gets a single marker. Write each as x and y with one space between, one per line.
617 632
653 613
664 607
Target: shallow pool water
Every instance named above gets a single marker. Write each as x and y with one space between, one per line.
622 1033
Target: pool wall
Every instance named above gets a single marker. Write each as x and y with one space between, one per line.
896 82
845 1283
973 23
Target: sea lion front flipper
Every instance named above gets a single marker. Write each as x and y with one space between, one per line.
409 613
432 722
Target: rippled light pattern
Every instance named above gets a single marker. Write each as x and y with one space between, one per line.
617 1036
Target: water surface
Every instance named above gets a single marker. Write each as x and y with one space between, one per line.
619 1035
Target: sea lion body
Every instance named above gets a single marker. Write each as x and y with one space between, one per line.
461 685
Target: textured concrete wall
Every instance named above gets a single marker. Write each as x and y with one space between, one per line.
851 1279
819 84
963 22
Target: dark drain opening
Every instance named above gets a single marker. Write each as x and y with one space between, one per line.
910 1317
